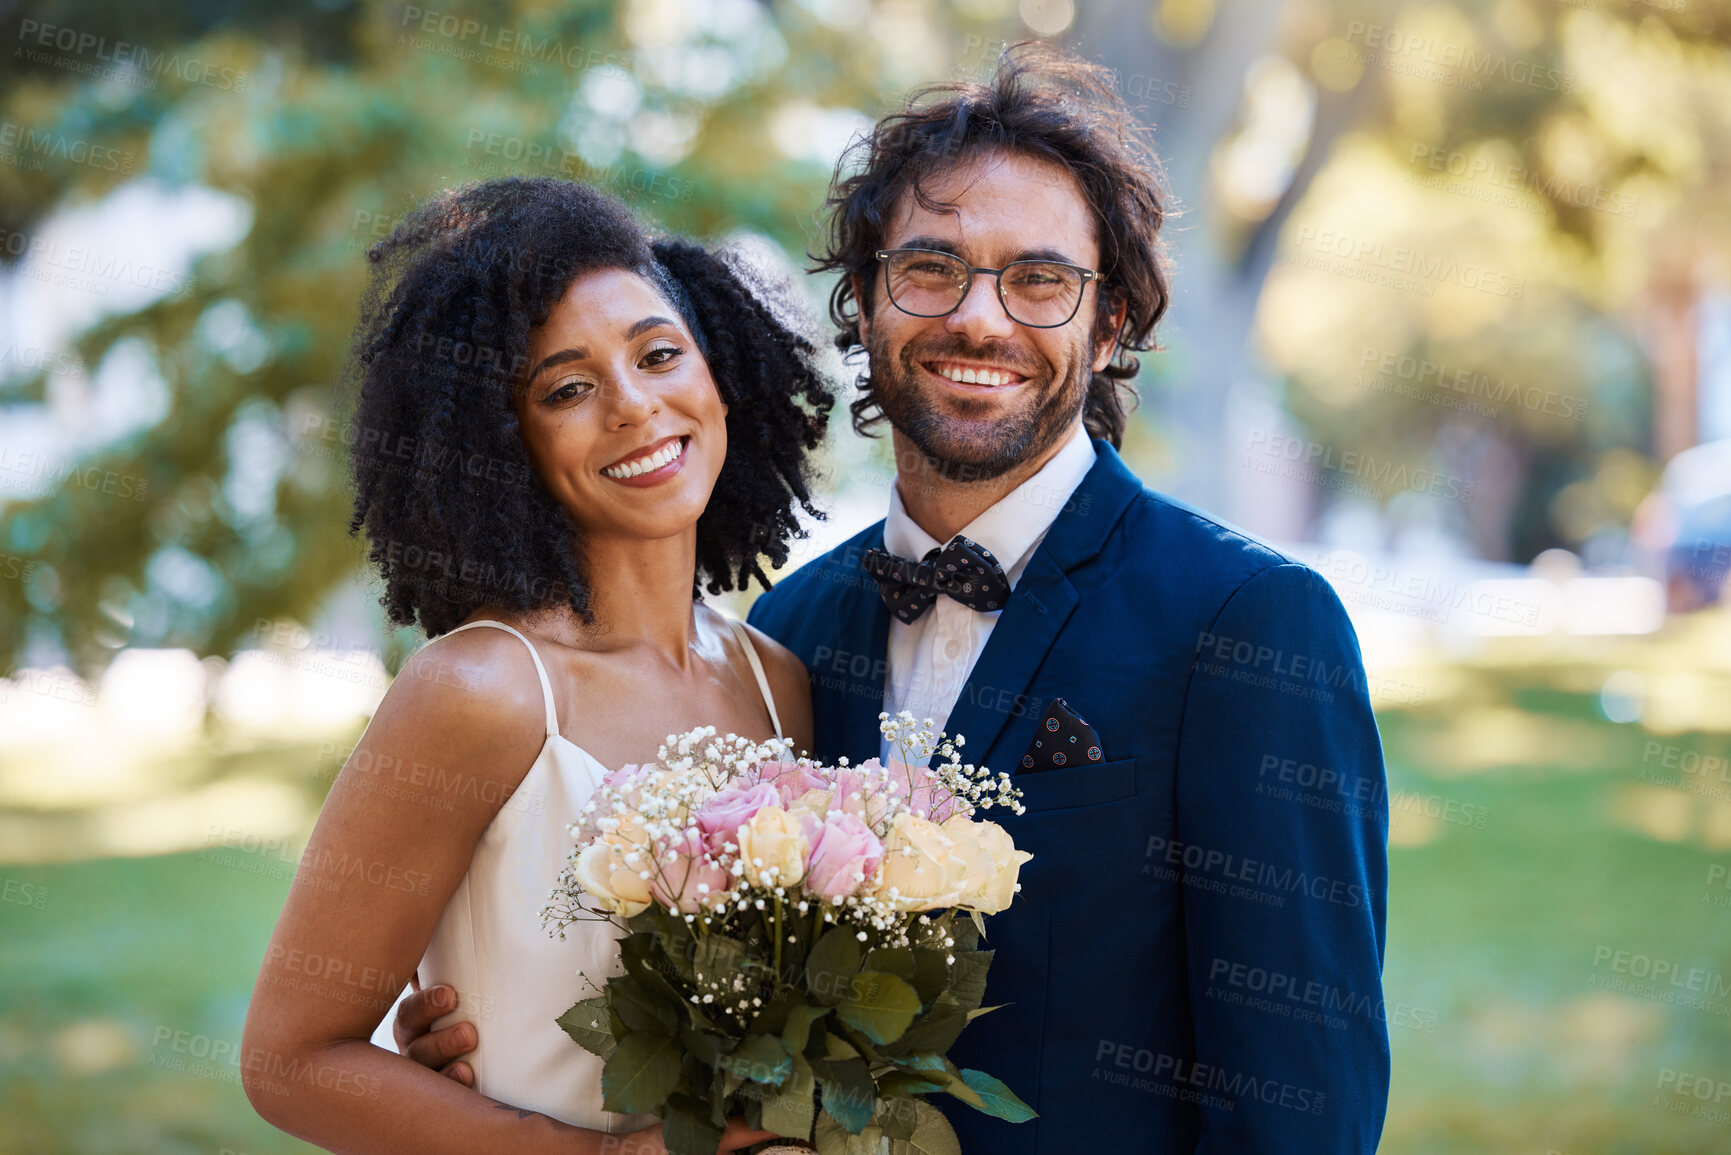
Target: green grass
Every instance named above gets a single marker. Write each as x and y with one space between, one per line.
1498 930
1494 929
123 954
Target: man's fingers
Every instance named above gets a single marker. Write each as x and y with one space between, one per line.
417 1013
436 1048
460 1072
738 1137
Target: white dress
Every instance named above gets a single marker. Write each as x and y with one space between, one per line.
513 978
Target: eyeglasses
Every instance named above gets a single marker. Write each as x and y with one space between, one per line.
931 283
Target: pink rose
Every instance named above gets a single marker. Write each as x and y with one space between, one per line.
684 876
915 787
928 798
727 810
843 855
790 779
862 791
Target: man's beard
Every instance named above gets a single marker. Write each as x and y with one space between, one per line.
966 452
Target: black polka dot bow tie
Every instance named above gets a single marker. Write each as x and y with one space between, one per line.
964 570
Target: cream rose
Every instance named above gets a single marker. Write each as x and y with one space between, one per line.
773 841
812 802
611 868
917 860
992 863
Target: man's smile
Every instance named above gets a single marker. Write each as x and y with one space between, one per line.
974 373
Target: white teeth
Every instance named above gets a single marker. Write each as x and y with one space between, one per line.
646 464
976 376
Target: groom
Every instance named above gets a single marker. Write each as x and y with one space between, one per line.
1194 962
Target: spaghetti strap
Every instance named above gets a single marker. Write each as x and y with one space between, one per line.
540 670
757 669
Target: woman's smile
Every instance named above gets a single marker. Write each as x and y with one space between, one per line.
651 465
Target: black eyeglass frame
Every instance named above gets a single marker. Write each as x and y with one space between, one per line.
883 256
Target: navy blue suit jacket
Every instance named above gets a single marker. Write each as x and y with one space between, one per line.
1194 961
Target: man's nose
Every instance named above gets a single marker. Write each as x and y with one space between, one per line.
981 314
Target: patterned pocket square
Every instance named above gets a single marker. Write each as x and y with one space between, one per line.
1062 739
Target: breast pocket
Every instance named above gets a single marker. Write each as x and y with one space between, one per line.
1070 787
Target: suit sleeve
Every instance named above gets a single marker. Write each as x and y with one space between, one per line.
1281 841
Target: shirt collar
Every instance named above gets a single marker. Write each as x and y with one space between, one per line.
1013 526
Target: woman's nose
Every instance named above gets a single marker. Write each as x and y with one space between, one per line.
628 400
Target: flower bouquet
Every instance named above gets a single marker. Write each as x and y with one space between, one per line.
802 941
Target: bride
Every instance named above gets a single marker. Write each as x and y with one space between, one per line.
563 426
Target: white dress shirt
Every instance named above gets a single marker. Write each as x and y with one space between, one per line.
929 661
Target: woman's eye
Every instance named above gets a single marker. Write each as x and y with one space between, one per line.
661 355
568 390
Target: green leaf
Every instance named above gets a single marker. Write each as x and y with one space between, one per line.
717 956
999 1100
589 1025
849 1095
931 973
831 1137
643 962
832 964
797 1032
761 1059
673 938
879 1005
867 1142
979 923
707 1048
896 1117
933 1134
752 1112
895 1083
640 1008
640 1074
969 983
967 936
853 1038
897 960
686 1129
958 1086
940 1028
718 1096
773 1017
791 1110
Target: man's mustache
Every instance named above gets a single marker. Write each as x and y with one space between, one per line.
1009 356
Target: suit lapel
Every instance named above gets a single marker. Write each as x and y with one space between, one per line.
863 657
1044 598
996 687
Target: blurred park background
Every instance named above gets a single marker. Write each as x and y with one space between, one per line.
1453 324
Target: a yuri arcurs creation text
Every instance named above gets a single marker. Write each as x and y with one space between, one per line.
802 943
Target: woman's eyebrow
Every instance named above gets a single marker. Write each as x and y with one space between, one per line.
578 353
647 324
553 360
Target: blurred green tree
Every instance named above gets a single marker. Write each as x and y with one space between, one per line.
327 121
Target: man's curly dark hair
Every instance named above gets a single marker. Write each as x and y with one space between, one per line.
454 513
1041 102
